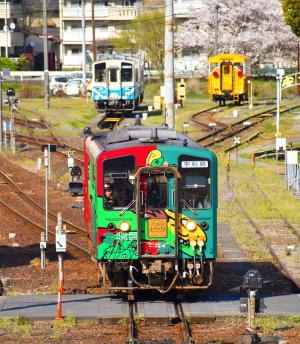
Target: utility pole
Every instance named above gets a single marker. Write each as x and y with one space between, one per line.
298 64
46 70
169 65
1 109
93 30
6 29
83 46
216 30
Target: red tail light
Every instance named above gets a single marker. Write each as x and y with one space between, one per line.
216 74
240 74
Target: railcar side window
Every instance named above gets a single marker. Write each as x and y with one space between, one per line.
100 72
126 72
113 75
195 184
117 190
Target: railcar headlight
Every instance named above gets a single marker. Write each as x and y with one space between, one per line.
191 225
124 226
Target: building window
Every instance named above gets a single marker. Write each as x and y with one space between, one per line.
75 51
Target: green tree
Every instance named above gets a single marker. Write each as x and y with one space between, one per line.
291 12
146 32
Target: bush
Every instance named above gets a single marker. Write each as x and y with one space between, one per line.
31 91
6 62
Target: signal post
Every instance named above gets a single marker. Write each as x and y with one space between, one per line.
61 247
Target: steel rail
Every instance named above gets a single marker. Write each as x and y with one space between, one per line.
36 225
260 233
284 219
39 141
240 125
132 328
35 204
183 322
206 111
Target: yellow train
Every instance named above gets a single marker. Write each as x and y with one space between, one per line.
228 78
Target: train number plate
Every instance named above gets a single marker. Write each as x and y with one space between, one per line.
157 228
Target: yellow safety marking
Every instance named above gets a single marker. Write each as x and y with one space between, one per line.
112 119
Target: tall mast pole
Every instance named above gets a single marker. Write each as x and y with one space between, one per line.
46 67
216 30
83 46
169 65
94 31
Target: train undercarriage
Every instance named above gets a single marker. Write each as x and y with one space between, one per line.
160 275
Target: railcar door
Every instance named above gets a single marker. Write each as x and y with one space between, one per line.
157 225
226 76
114 84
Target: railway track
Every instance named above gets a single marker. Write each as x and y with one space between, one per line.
185 327
34 140
110 120
132 325
18 202
220 134
292 276
286 222
198 119
179 325
63 148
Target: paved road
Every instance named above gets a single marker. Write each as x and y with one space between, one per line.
115 308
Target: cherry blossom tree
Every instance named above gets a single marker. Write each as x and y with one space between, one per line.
253 28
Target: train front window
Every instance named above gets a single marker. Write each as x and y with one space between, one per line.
100 72
126 72
195 183
155 189
113 75
226 69
118 191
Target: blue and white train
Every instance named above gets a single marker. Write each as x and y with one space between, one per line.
118 83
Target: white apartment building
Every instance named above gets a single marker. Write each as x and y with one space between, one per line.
108 17
11 39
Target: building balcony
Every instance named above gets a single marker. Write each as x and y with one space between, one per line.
8 10
72 61
182 8
115 13
75 36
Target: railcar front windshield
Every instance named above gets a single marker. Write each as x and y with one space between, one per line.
155 189
126 72
117 190
100 75
195 183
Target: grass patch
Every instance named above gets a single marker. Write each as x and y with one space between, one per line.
60 325
269 325
19 325
123 321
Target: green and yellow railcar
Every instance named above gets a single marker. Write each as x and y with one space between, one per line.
150 200
228 78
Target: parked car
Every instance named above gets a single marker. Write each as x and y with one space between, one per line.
57 83
78 75
74 86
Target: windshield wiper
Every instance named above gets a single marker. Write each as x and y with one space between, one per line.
187 205
127 207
